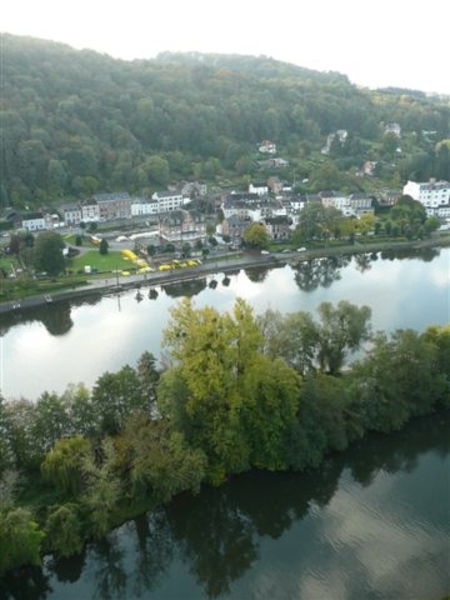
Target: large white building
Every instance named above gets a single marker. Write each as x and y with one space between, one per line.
433 194
168 201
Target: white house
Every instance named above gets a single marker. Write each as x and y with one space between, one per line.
260 188
144 206
267 147
71 214
34 221
90 212
432 195
168 201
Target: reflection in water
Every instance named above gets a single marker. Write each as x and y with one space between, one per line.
257 274
56 317
185 288
319 272
425 254
363 262
317 530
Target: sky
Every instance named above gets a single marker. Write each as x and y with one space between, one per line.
376 44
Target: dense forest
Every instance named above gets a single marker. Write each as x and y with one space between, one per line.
76 122
235 391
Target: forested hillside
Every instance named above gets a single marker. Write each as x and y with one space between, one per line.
76 122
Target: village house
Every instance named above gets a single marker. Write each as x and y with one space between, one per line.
71 214
393 128
261 188
336 200
279 227
141 207
33 221
180 226
267 147
168 201
234 227
116 205
90 211
432 194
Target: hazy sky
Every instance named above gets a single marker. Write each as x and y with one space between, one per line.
385 43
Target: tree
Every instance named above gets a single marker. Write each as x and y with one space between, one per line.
148 376
20 539
293 337
308 345
48 256
201 393
102 487
162 463
50 422
342 330
103 247
114 396
316 222
63 530
63 464
256 236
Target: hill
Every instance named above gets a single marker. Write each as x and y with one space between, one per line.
76 122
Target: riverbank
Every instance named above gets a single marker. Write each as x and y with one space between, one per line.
112 283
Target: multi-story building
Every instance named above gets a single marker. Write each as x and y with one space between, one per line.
144 206
33 221
113 206
179 226
71 214
90 211
433 194
168 201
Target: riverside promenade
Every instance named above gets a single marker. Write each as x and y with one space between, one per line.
111 283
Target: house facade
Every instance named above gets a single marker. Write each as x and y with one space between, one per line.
33 221
113 206
141 207
168 201
90 211
71 214
234 227
433 194
180 226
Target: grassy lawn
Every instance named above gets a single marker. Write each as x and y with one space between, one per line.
6 262
102 262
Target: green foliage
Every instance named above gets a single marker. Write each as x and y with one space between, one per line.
184 116
102 487
114 396
202 393
48 255
162 464
237 392
20 539
307 345
316 222
63 464
63 530
256 236
103 247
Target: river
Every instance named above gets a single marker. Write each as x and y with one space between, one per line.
372 523
47 348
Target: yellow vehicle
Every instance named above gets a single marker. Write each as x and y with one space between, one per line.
125 273
165 267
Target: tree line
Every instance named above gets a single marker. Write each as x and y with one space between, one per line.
76 122
233 392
